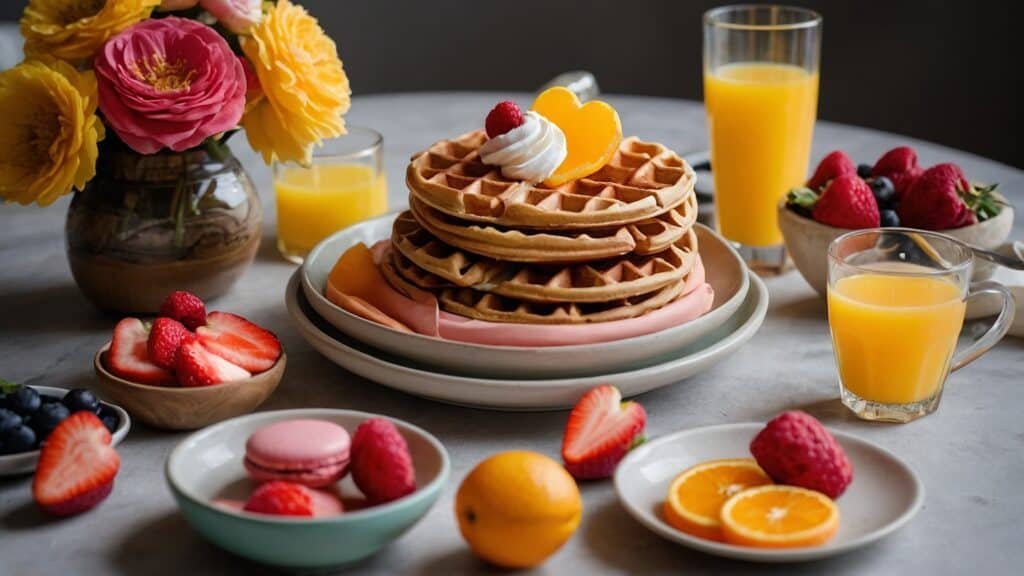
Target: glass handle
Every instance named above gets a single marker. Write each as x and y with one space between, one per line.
998 329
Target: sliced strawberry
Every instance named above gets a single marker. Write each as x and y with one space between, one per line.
164 341
197 366
239 341
128 356
601 430
76 466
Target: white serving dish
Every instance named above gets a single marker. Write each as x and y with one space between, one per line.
725 271
25 462
884 495
524 394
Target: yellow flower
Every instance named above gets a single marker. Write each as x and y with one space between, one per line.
305 89
48 131
74 30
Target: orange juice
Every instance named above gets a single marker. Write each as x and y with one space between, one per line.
315 202
894 335
761 119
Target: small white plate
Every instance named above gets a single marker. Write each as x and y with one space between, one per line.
725 271
524 394
884 495
25 462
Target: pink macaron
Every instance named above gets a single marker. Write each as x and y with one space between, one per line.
310 452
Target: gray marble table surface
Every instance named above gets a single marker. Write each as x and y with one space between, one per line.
969 454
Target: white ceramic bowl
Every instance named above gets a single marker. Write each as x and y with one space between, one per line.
525 394
884 495
25 462
208 465
807 242
725 270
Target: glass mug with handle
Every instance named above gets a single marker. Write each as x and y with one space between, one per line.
896 304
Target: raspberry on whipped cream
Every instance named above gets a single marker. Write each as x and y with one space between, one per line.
530 152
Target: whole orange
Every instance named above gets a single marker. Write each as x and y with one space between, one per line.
517 508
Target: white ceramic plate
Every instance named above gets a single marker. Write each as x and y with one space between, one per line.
725 272
524 394
884 495
25 462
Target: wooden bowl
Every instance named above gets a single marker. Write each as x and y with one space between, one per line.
807 242
173 408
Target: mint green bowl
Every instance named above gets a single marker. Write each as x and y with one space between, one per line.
208 465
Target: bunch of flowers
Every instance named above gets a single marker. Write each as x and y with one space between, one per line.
162 75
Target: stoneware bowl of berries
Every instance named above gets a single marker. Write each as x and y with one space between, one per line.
29 414
309 489
188 368
894 191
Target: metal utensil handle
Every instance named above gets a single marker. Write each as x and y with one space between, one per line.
998 329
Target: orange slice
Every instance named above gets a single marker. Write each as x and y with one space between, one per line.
592 132
696 496
779 517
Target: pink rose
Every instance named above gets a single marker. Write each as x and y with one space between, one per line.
235 15
169 5
169 83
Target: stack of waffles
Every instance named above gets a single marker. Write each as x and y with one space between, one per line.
616 244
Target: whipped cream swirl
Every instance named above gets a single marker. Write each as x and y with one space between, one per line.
530 152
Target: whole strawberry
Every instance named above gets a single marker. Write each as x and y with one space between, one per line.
381 464
935 201
165 338
795 449
185 307
900 166
847 202
836 164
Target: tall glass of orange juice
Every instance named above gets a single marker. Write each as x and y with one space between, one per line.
344 184
896 302
761 95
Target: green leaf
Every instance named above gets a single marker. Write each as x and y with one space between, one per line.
7 387
802 197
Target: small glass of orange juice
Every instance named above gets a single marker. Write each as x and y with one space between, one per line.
761 95
344 184
896 302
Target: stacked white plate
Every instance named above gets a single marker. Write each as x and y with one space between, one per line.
518 378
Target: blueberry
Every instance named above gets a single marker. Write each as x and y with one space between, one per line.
81 399
8 420
20 439
110 422
883 191
864 170
23 401
889 218
48 417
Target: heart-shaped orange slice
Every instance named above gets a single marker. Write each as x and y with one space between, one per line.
592 132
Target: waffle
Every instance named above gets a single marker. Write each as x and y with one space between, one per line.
612 279
645 237
642 180
495 308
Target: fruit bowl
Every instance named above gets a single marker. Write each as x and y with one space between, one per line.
25 462
209 464
807 242
174 408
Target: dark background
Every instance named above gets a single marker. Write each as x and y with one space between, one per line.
940 71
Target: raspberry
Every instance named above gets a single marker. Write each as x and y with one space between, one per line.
282 499
185 307
502 118
795 449
381 463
